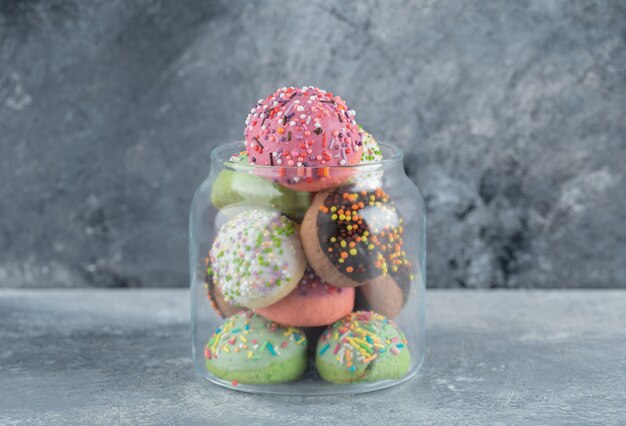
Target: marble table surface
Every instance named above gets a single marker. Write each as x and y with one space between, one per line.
497 357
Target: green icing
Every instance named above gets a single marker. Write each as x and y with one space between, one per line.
362 347
239 187
250 349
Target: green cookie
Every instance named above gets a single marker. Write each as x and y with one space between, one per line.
362 347
240 187
250 349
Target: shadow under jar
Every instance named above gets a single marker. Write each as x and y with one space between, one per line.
307 280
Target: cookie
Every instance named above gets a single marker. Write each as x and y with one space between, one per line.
382 295
303 134
256 258
312 303
362 347
351 236
241 188
250 349
388 294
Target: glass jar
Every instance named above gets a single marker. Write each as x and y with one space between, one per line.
378 263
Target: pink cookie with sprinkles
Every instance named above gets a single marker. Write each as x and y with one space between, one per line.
307 134
257 258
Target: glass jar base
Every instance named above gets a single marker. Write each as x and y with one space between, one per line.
310 385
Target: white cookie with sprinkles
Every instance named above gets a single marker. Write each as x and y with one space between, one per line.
257 258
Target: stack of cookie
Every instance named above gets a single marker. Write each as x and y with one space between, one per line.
309 238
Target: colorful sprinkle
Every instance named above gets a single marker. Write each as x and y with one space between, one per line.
270 347
223 343
336 349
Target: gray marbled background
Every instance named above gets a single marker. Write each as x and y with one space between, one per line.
512 115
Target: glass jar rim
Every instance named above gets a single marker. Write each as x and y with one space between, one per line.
222 154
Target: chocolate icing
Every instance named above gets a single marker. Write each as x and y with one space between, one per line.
371 248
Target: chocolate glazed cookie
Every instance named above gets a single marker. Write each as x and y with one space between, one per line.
353 238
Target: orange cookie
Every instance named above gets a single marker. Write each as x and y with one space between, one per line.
312 303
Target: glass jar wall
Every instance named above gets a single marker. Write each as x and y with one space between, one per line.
307 280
